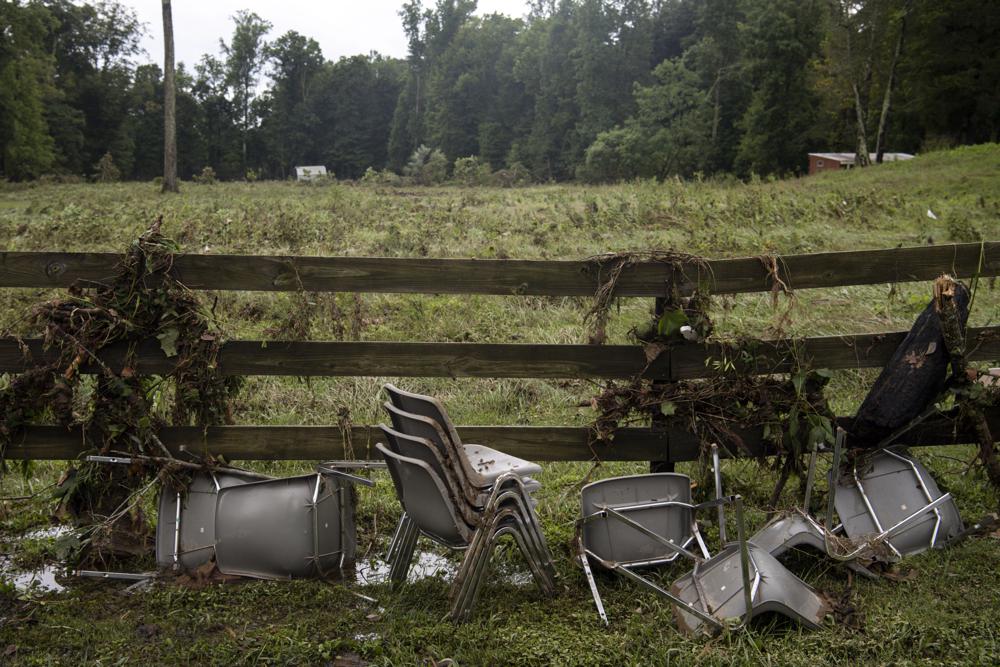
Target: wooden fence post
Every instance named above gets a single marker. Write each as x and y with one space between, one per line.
658 418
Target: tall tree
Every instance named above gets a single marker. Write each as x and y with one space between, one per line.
26 146
169 103
291 126
778 125
245 57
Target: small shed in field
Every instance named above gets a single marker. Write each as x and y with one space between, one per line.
310 173
834 161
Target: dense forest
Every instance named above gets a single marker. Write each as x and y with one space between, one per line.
589 89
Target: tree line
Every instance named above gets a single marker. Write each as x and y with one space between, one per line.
594 90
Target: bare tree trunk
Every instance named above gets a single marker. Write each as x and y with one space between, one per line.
883 122
861 157
169 103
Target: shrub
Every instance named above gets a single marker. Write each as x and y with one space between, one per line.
470 171
427 166
206 177
515 175
107 171
384 177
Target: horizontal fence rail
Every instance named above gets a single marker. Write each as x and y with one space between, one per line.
510 276
517 360
539 443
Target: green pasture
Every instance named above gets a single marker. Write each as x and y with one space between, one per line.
937 608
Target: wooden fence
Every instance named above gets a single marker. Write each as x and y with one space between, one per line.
648 278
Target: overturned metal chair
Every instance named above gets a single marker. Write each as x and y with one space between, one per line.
433 511
888 498
289 527
629 523
796 527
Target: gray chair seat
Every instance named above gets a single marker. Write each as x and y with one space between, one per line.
644 499
716 588
491 463
891 492
285 528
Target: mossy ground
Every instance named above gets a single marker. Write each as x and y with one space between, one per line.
944 611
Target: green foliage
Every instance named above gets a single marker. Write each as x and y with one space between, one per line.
106 171
205 177
598 90
427 166
470 171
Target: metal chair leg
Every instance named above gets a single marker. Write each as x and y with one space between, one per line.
585 562
401 565
397 536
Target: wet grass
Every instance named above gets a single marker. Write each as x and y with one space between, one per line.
943 611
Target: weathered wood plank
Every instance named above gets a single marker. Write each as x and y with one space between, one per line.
521 360
511 276
537 443
382 359
834 352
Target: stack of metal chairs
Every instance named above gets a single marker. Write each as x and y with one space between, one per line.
461 496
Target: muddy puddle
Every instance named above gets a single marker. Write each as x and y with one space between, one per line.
41 579
428 564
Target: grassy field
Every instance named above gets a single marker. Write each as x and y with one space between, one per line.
941 609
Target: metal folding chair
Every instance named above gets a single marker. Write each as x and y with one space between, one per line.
431 507
888 498
290 527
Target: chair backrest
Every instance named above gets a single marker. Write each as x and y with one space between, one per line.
425 406
425 499
420 427
456 457
612 540
424 450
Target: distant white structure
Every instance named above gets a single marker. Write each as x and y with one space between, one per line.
834 161
310 173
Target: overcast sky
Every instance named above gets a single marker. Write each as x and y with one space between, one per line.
342 27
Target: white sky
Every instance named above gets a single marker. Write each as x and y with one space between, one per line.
342 27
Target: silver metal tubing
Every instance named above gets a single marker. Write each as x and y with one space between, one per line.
748 592
810 477
651 534
350 465
394 542
177 533
834 475
116 576
126 460
690 609
324 470
476 562
585 562
718 492
923 488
